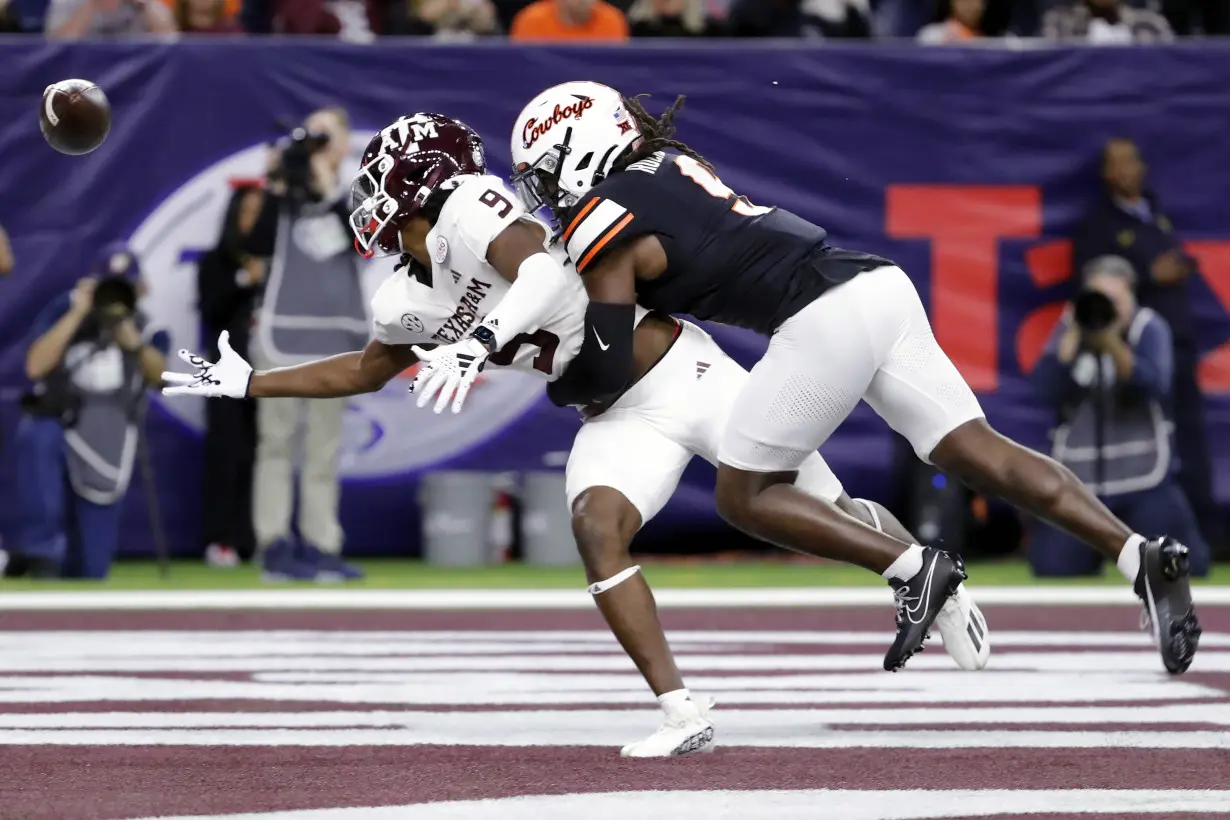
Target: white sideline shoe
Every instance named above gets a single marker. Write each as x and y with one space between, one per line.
964 630
685 730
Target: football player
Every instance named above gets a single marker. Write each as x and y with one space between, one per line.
646 219
422 192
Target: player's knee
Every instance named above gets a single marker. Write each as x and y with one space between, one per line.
736 497
599 531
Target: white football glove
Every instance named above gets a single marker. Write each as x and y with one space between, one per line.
449 370
227 379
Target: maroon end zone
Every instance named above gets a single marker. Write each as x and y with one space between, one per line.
154 714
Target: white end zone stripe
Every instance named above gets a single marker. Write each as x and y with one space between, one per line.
781 805
437 599
593 227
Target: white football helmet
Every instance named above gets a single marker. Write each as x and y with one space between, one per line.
565 141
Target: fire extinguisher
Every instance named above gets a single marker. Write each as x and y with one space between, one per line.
501 537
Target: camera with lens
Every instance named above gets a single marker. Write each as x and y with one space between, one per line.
295 168
1094 311
115 299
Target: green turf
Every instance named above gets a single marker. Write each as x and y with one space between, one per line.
400 574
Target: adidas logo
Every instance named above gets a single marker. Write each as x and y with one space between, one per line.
701 367
456 276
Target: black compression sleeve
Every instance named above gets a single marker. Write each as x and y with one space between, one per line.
604 365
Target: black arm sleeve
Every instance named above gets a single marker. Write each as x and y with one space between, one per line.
604 365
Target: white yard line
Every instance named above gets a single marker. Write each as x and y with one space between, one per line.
504 599
782 805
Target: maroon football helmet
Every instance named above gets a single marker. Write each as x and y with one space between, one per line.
402 166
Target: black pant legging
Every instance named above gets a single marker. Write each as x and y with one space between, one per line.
1191 441
230 453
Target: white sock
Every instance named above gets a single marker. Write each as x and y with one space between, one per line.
675 696
1129 558
907 565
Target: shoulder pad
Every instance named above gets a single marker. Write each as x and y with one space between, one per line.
478 211
594 223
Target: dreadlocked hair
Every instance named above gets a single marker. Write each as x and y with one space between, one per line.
656 134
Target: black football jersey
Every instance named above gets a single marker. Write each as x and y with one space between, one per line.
727 260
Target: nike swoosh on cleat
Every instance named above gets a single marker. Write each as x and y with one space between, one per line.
923 595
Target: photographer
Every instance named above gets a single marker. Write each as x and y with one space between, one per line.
77 438
313 306
1108 373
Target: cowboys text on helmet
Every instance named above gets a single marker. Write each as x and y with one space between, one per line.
565 142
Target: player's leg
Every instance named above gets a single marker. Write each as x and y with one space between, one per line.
919 392
814 372
967 639
621 471
604 523
816 369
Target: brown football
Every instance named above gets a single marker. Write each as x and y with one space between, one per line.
75 117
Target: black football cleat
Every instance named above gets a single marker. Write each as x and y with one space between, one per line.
1164 584
919 601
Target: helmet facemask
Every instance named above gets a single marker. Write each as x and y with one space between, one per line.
539 184
377 214
402 166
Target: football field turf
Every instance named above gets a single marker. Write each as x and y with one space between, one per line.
436 694
403 574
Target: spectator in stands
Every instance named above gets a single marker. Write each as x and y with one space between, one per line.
91 362
812 19
350 20
1107 372
960 23
229 280
569 20
443 19
6 254
207 16
670 18
71 19
1105 22
1127 220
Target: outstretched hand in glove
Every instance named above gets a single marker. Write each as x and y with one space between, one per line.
226 378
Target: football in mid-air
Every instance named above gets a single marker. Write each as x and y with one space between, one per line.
75 117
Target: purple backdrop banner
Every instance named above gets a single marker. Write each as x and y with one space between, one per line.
966 166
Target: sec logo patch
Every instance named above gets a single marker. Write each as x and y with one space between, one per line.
411 323
441 250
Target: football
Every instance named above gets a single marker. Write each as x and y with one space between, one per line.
75 117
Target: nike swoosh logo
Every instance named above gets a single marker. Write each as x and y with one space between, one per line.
599 338
922 596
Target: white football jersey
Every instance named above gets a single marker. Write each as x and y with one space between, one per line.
465 288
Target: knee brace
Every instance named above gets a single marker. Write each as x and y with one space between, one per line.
875 516
615 580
